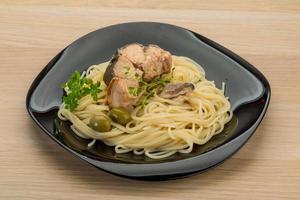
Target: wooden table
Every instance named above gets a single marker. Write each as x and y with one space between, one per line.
266 33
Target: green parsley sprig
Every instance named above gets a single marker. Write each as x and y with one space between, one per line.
77 88
133 91
149 89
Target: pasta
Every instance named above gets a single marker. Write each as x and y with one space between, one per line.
162 127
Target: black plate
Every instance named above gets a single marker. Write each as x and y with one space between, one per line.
247 88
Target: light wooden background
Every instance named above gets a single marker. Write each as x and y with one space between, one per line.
266 33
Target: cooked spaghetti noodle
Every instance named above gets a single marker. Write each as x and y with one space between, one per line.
163 126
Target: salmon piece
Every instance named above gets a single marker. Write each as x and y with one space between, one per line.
119 95
128 66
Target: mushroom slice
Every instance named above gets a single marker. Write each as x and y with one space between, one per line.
174 90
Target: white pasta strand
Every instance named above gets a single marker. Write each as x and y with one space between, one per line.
164 126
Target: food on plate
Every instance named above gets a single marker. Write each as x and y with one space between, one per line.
146 101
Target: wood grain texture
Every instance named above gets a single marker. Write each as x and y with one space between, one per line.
266 33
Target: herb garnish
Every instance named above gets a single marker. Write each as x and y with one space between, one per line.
133 91
127 70
137 77
77 88
149 89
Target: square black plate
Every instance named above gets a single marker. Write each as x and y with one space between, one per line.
248 90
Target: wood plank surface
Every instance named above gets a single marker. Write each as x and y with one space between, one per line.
266 33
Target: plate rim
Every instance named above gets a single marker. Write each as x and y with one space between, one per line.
241 61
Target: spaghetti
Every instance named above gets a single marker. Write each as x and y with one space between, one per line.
163 126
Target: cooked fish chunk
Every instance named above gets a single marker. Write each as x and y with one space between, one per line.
133 52
151 59
130 64
157 62
121 67
120 93
174 90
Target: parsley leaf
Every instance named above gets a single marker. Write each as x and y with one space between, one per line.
150 88
95 89
127 70
137 77
133 91
77 88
